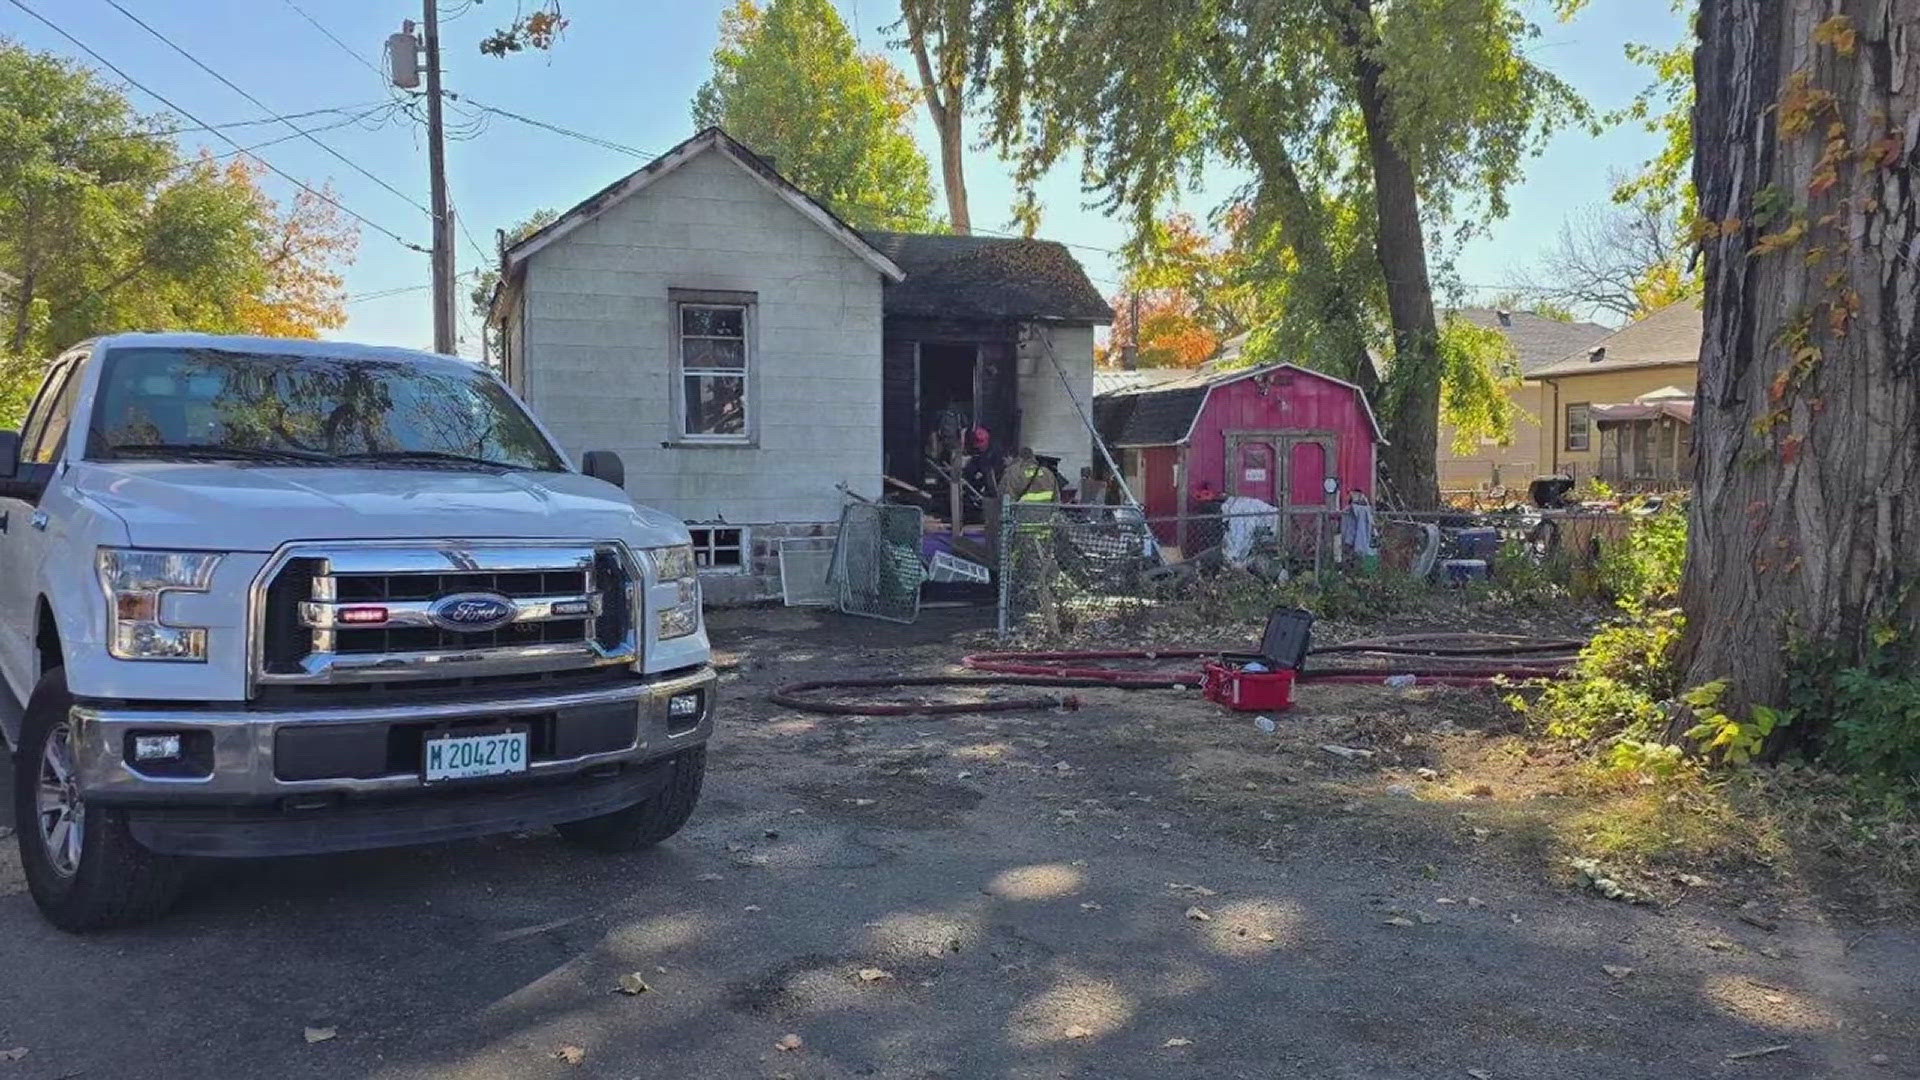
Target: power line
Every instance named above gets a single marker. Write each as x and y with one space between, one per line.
168 102
344 47
159 133
231 85
277 140
607 144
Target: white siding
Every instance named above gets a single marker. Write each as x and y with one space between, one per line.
1049 420
598 347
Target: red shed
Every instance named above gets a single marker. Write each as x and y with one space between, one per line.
1276 433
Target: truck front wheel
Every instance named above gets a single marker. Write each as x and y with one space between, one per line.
85 870
652 820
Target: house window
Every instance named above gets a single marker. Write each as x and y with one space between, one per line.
719 549
713 346
1578 431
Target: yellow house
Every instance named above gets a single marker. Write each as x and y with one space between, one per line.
1538 342
1621 410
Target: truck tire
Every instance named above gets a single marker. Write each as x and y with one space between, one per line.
100 877
652 820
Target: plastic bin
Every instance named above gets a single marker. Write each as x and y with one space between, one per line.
950 567
1461 571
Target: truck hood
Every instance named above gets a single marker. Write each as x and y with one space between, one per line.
252 508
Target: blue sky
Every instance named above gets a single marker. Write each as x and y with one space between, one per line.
625 73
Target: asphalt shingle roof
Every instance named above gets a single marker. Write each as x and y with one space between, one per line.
987 277
1537 340
1670 335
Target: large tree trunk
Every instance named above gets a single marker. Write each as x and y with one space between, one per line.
1413 386
1806 511
949 122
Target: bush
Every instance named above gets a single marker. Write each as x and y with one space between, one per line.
1643 570
1620 685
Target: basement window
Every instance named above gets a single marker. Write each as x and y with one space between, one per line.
719 550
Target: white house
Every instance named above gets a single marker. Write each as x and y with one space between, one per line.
747 353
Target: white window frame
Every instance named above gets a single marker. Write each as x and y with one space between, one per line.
706 544
1586 428
748 305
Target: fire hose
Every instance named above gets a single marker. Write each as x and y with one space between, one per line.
1444 659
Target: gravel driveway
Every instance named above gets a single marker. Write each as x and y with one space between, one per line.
996 895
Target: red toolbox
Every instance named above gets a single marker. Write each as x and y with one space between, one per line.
1283 652
1247 691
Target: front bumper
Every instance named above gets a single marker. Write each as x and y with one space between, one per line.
307 760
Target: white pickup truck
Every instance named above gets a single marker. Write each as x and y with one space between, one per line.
265 597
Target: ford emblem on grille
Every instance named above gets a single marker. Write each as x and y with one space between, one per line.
472 612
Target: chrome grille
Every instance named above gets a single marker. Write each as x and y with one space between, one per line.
378 613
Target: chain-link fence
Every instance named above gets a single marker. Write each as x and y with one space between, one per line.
876 570
1064 567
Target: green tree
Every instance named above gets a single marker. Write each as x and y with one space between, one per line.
940 37
105 225
1366 127
790 82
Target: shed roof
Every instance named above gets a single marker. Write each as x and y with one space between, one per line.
987 277
1667 337
1164 414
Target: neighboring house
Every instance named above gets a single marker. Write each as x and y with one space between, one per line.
1276 433
1538 342
749 354
1621 410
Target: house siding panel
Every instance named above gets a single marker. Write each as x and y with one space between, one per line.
598 339
1050 419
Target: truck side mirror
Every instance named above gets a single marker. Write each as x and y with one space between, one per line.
605 465
9 454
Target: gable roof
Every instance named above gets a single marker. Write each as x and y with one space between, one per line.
987 277
1537 340
1165 414
718 141
1667 337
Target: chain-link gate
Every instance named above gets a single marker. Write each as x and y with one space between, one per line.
876 569
1061 563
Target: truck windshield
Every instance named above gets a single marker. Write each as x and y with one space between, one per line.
287 409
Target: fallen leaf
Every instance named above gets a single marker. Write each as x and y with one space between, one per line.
14 1054
1399 920
1717 945
861 802
1480 1074
709 877
1176 1041
317 1035
1691 881
751 907
789 1042
1426 919
572 1055
1090 906
1062 766
1197 915
1265 936
1474 901
1197 890
1618 971
966 776
1445 900
632 983
874 974
1077 1032
1770 952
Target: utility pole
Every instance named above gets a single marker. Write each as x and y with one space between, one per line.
443 266
1130 352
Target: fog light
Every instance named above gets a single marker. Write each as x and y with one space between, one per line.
156 747
683 706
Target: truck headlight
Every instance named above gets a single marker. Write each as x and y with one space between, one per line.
674 566
136 582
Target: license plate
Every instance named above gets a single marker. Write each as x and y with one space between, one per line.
462 757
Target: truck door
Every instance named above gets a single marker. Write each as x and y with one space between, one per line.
23 524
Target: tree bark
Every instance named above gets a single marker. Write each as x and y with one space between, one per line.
1413 386
1805 520
946 105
